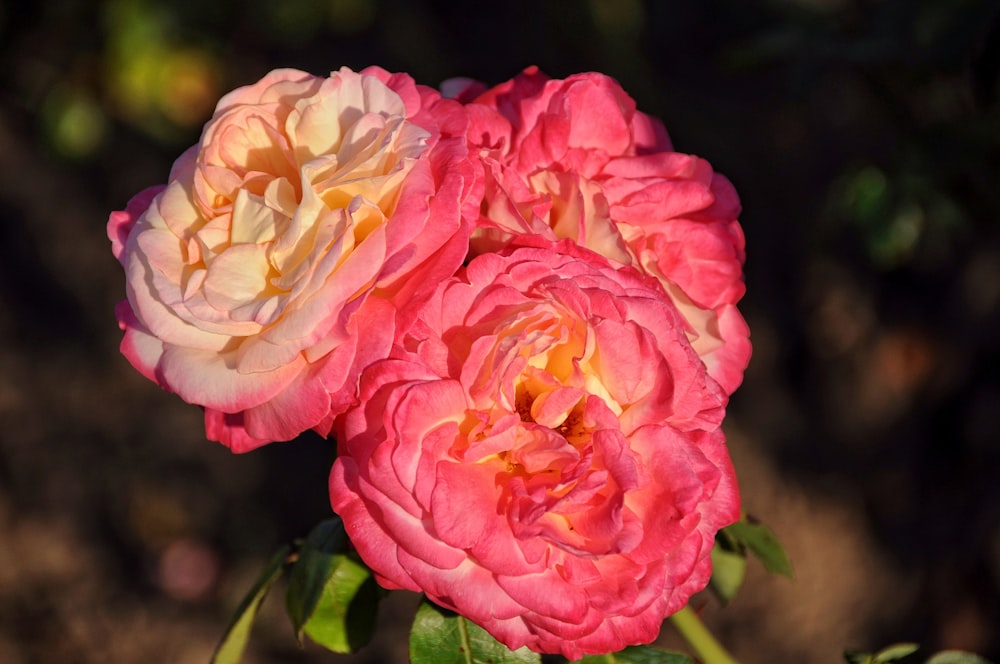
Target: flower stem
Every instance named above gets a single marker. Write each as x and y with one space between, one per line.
690 626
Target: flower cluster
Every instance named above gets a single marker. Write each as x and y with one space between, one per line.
513 308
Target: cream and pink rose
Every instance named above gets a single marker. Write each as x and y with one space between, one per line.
574 159
541 454
291 245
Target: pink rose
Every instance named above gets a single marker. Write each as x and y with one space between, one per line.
291 245
574 159
541 454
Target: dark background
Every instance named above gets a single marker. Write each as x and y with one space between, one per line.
864 139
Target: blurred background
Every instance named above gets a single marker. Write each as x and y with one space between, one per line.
864 139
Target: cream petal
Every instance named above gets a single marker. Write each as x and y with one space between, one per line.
369 135
254 222
249 141
194 282
173 210
315 128
198 312
280 195
214 237
273 87
194 251
161 250
210 379
236 276
164 320
293 247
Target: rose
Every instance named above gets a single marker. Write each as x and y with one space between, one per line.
541 454
291 245
574 159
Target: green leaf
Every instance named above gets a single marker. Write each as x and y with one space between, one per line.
439 636
638 655
344 618
856 657
234 641
895 652
956 657
728 570
760 541
904 652
309 575
332 597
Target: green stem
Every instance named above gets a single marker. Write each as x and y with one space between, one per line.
690 626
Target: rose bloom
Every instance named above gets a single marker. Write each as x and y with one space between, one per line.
542 454
574 159
290 246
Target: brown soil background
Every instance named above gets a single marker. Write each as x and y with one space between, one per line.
865 432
